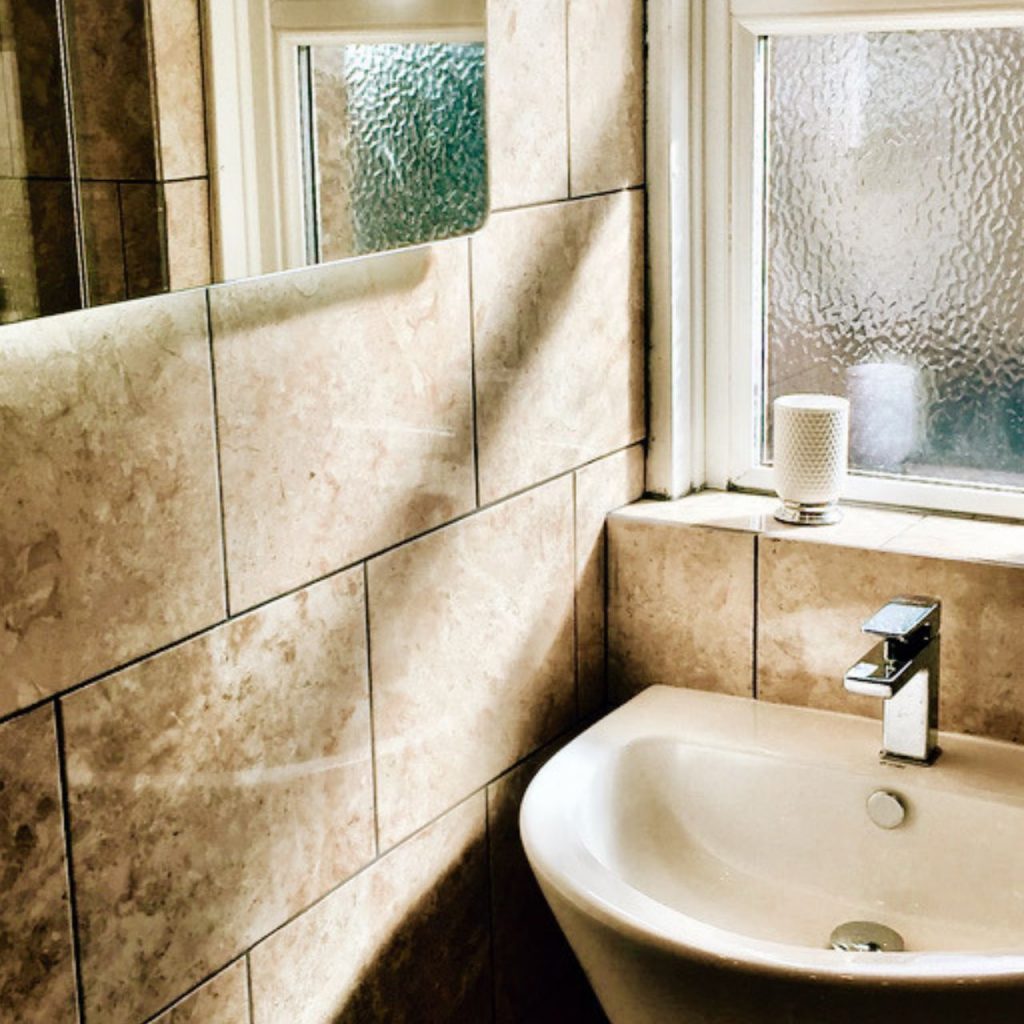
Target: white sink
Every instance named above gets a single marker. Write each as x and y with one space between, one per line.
698 851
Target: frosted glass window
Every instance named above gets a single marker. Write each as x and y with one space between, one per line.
894 244
399 144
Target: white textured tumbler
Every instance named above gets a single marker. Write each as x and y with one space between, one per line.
811 445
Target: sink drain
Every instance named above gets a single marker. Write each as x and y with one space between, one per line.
866 937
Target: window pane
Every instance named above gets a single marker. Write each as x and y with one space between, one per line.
894 244
399 144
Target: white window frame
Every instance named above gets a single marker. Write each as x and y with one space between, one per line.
259 219
703 377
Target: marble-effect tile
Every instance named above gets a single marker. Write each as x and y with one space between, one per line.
680 608
37 982
606 94
970 539
187 205
472 653
215 790
345 416
224 999
109 536
814 597
558 309
404 942
527 134
601 487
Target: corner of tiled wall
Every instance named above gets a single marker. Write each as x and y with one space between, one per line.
712 593
302 578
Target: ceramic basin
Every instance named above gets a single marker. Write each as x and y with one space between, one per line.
698 851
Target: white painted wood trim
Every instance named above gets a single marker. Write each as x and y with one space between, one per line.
675 248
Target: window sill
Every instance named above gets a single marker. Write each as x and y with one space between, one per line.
862 526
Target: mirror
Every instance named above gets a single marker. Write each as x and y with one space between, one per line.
152 145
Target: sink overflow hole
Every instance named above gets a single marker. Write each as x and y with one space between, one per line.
866 937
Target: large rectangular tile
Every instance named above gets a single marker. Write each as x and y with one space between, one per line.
404 942
187 206
527 133
345 412
112 89
37 979
600 487
536 977
217 789
558 310
814 597
224 999
109 520
177 60
606 94
970 539
680 608
472 653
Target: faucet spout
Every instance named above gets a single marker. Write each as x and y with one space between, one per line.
903 671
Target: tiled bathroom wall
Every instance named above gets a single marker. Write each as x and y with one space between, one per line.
711 592
301 579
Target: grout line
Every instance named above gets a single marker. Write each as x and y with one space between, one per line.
204 981
563 735
292 591
582 198
217 457
576 598
756 612
248 987
472 376
490 904
606 593
568 103
65 804
369 690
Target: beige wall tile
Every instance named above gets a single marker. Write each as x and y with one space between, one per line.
527 131
600 487
110 76
606 94
345 413
404 942
37 980
104 244
187 205
813 599
471 644
536 976
178 71
224 999
558 309
680 608
215 790
143 220
109 535
970 539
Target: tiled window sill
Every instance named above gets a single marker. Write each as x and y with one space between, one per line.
876 529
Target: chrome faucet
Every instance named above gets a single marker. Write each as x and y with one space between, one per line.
903 669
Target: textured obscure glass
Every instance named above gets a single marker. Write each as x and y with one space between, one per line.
400 154
894 244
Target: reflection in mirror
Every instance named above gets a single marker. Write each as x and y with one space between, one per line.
152 145
371 184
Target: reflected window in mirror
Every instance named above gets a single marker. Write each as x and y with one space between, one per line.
148 146
374 181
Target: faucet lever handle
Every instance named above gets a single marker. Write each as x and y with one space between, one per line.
906 618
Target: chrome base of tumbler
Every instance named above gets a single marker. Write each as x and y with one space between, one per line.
808 515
